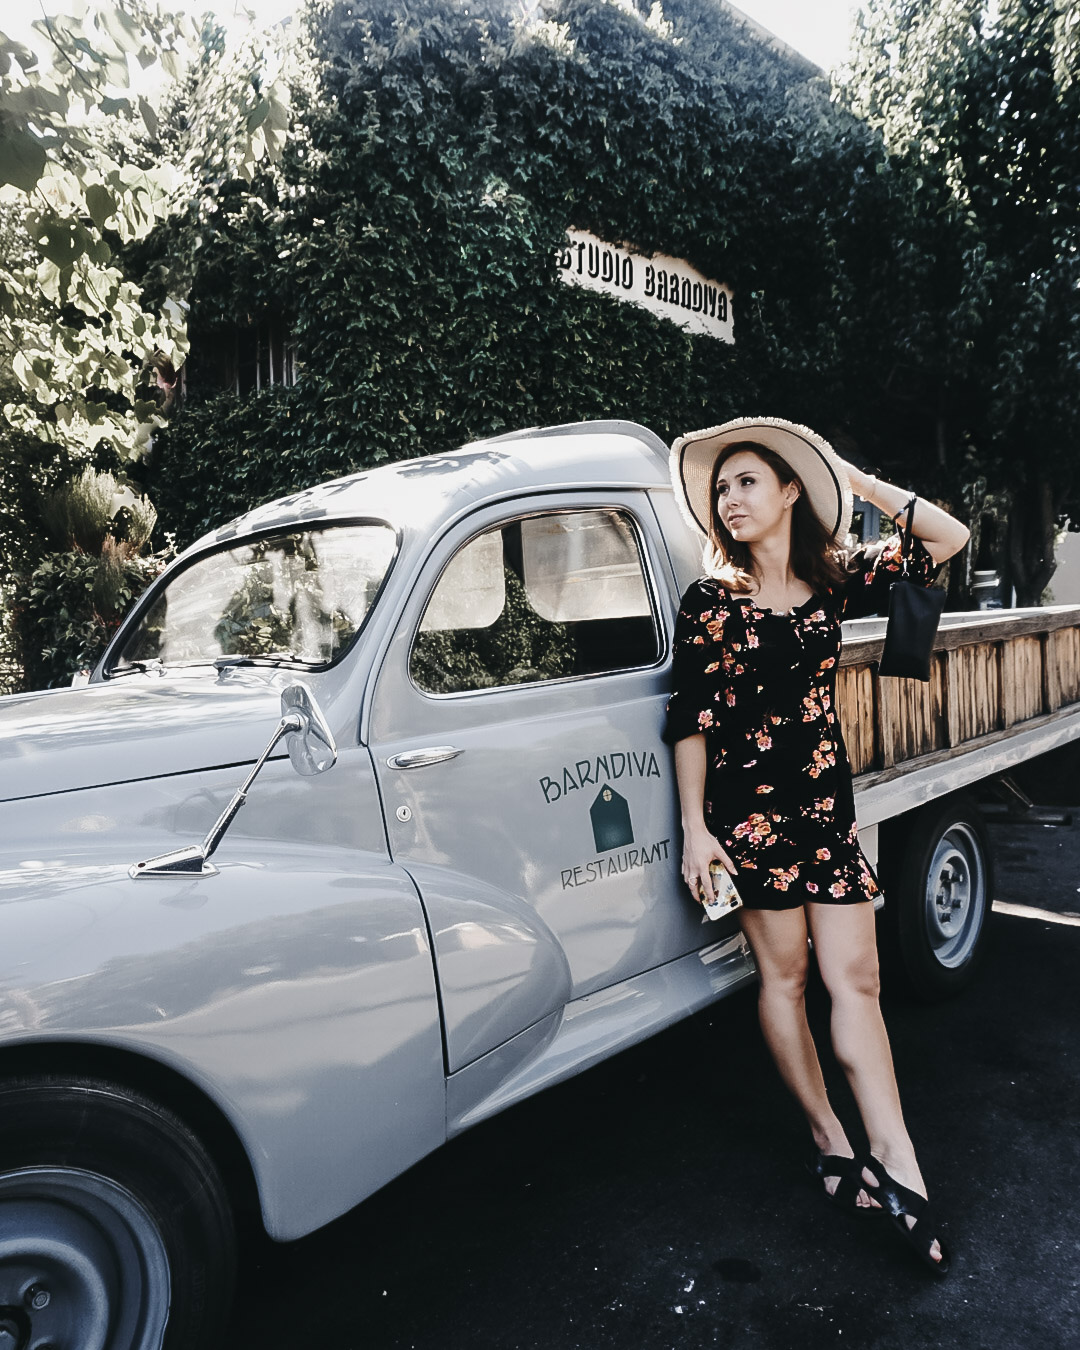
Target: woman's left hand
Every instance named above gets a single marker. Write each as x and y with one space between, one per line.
860 482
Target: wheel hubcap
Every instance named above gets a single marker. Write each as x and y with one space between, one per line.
82 1265
955 895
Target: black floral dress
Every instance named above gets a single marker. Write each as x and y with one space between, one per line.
761 687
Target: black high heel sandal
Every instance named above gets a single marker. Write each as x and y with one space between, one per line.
899 1203
849 1170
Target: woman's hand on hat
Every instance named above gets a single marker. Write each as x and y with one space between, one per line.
862 484
700 848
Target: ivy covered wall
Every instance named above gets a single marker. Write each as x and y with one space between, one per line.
409 241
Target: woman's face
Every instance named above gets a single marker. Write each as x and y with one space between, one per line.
751 501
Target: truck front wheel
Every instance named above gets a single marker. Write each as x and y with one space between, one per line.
115 1231
938 881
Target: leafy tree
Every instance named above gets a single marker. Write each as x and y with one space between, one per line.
979 106
73 324
90 167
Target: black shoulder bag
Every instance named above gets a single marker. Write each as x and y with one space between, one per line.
914 612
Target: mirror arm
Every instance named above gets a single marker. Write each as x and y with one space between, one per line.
193 860
217 831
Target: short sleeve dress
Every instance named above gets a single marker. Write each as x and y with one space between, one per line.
761 686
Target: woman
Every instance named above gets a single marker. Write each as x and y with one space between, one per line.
764 781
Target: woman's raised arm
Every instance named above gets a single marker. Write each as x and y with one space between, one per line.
942 535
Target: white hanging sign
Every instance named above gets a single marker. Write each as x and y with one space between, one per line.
665 286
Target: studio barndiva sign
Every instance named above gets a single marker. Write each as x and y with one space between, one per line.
665 286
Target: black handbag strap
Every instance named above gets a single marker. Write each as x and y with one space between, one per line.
905 547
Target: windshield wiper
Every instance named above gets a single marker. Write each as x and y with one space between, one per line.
264 658
154 664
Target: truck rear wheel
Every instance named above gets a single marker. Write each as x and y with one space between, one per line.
938 881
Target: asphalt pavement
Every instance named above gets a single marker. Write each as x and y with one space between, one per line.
659 1200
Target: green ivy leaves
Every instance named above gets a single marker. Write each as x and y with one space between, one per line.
69 146
22 159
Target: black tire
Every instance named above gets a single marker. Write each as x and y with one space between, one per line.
114 1224
937 875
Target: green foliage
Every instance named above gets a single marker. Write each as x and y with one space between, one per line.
87 166
410 236
223 454
64 609
88 171
67 609
79 515
979 105
95 506
904 279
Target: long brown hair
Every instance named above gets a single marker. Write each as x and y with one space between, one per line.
815 557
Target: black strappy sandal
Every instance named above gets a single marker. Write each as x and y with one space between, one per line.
898 1203
849 1170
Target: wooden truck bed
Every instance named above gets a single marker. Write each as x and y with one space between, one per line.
1004 687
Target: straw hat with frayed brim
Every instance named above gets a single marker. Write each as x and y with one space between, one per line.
820 470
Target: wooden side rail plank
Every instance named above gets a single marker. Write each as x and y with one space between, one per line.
1063 664
1049 683
939 703
980 626
855 701
987 678
888 722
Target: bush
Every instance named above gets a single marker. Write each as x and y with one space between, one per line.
64 613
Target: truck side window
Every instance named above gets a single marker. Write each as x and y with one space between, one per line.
545 597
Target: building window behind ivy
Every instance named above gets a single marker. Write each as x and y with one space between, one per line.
246 357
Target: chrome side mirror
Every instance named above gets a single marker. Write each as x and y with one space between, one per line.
312 750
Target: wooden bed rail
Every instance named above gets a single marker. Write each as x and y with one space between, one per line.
991 672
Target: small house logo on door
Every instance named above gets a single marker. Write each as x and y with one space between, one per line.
610 814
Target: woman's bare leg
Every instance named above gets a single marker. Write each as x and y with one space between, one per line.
778 939
845 945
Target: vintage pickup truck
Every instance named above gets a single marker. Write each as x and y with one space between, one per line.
363 830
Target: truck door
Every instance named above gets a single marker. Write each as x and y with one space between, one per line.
515 727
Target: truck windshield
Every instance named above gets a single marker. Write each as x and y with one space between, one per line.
296 597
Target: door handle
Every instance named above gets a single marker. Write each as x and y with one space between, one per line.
420 759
